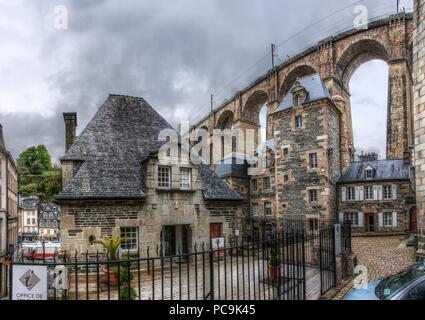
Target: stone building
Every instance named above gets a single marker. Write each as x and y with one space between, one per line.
49 222
377 197
117 182
307 139
29 228
419 117
8 209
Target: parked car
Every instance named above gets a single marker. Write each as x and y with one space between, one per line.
407 285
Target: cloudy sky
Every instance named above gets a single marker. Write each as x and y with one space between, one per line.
173 53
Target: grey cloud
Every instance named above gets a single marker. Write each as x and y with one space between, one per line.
145 48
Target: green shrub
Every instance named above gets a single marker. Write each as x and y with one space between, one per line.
127 293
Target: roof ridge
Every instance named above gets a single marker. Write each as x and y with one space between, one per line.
126 96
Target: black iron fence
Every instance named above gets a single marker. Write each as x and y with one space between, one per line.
260 270
298 263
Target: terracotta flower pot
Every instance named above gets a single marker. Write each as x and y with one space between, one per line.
274 273
112 279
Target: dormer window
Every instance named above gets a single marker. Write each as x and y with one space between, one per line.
297 100
368 173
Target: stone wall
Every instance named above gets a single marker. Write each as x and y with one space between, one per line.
375 206
419 117
85 220
320 135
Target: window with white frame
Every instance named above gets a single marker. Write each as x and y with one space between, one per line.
351 194
353 217
185 178
368 174
368 193
388 219
254 209
131 234
164 177
388 194
298 122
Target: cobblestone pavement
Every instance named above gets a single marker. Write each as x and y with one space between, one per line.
383 256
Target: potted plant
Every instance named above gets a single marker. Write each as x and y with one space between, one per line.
112 245
274 267
127 292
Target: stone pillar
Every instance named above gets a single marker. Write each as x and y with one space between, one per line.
419 118
398 110
398 127
346 134
70 129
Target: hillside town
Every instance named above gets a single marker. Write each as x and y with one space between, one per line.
136 208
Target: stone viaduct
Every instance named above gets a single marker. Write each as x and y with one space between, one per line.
335 59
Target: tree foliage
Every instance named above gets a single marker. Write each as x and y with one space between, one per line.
36 175
34 160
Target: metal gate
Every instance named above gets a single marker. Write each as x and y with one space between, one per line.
327 258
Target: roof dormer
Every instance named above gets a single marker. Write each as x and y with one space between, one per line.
299 94
369 172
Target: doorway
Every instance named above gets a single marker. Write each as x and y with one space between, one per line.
175 239
413 220
370 222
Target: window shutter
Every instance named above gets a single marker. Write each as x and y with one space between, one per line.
380 195
344 193
395 219
375 192
361 191
361 223
356 194
341 217
381 219
394 191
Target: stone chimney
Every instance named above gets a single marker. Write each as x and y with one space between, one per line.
2 144
70 129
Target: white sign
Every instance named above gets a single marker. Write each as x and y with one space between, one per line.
217 243
29 282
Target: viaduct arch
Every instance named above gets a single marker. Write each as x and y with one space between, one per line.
335 59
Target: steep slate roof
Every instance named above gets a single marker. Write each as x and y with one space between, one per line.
383 170
112 148
315 88
216 188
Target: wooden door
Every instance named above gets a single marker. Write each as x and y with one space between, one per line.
216 231
413 219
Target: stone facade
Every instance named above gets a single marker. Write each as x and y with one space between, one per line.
84 221
419 117
296 179
367 215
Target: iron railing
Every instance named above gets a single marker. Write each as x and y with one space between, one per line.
261 270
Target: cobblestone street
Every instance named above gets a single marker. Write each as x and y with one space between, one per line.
383 256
